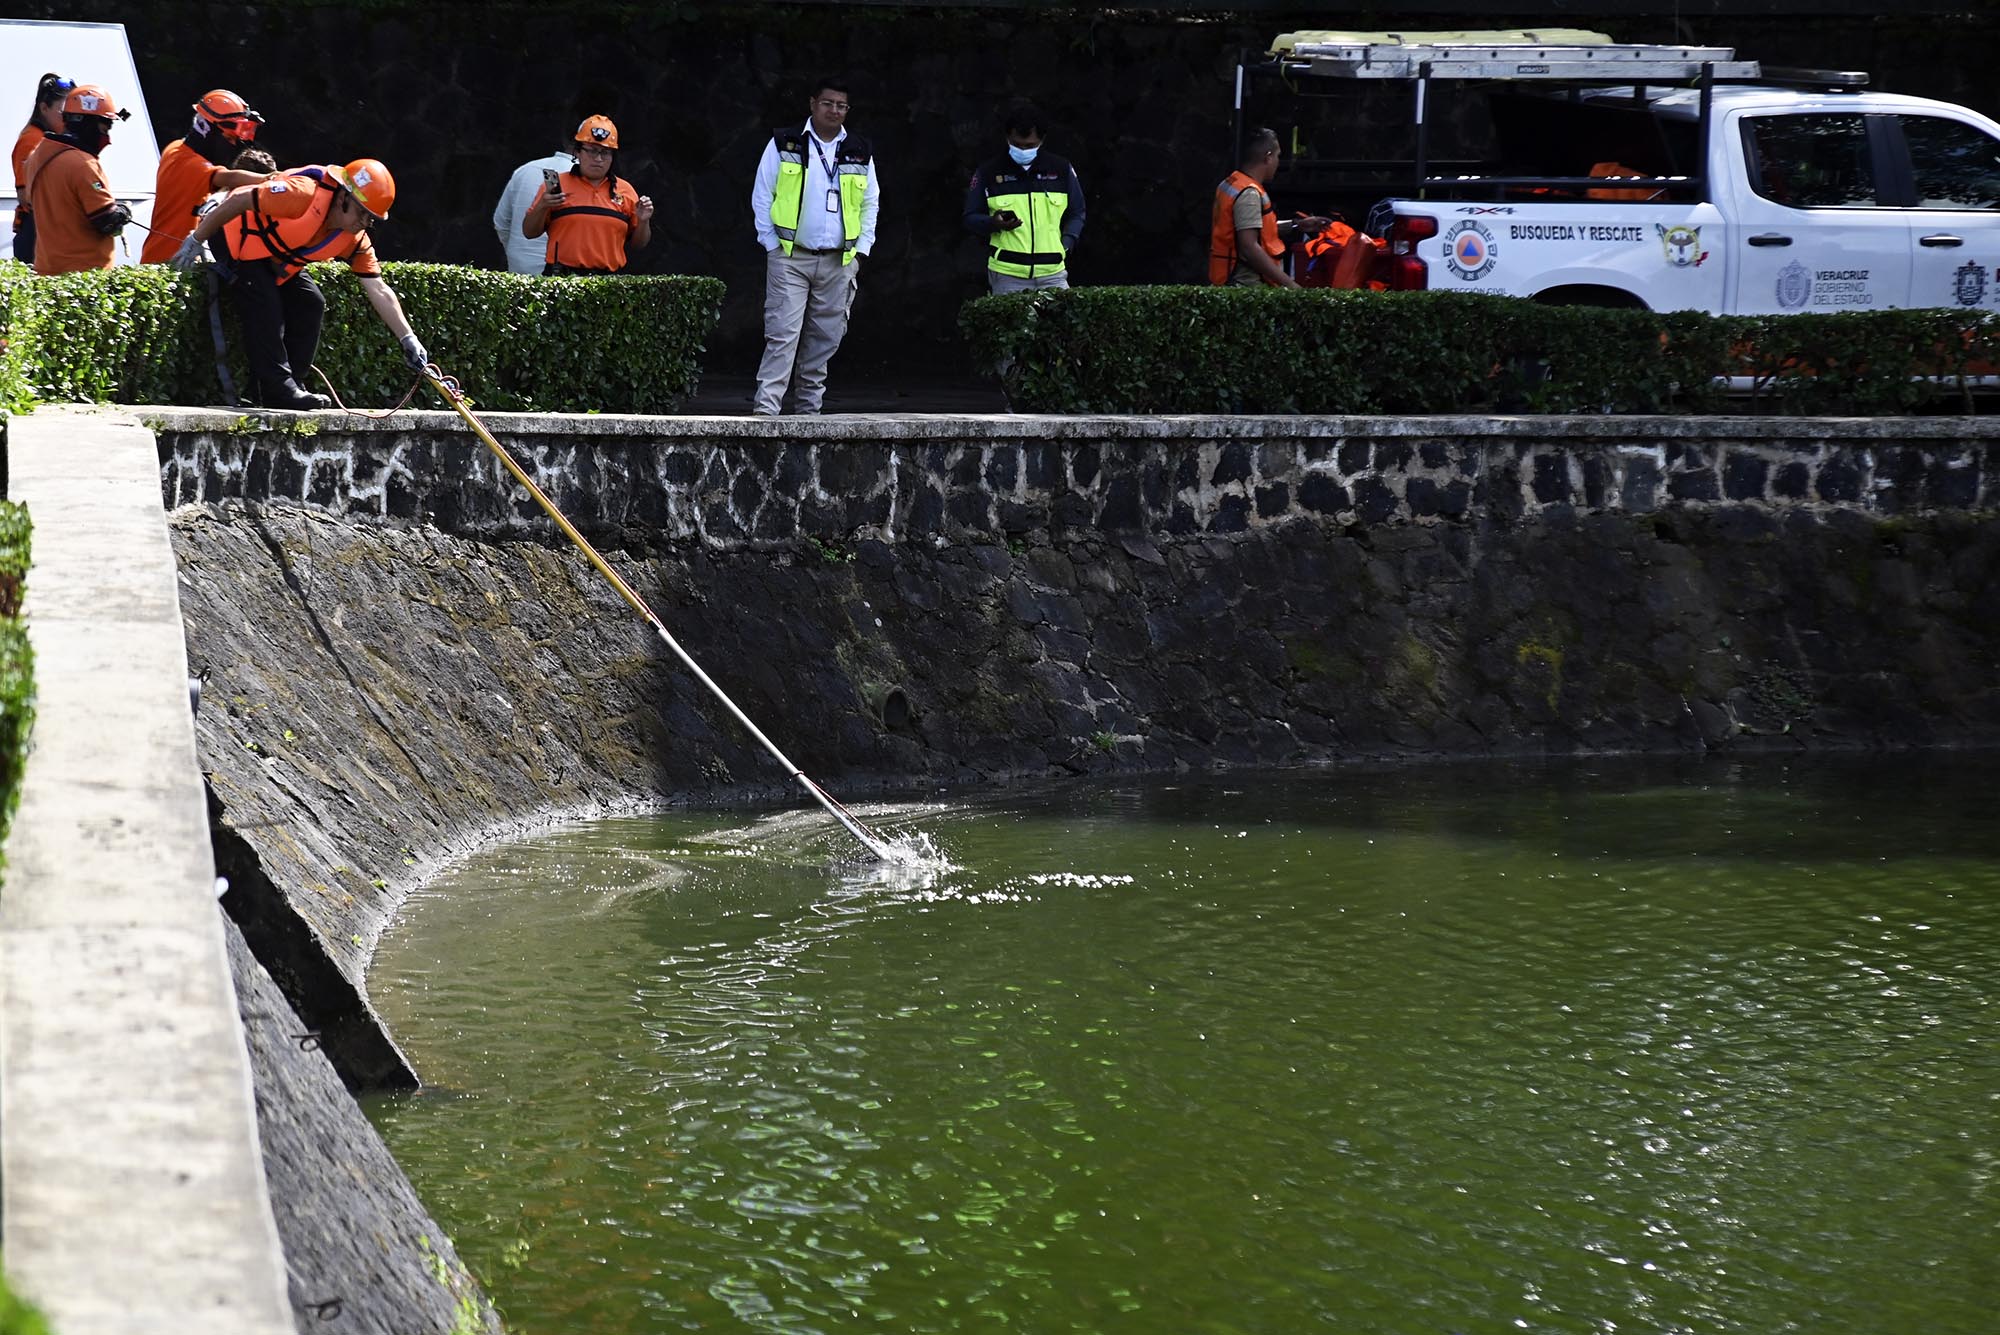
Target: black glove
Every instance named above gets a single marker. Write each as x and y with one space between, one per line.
111 221
413 353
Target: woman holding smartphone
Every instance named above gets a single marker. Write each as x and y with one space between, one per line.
592 219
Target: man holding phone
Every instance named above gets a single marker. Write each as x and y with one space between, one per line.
1028 203
814 205
525 256
592 218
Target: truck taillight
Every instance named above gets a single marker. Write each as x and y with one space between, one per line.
1407 273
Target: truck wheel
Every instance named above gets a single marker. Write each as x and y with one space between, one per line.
1604 298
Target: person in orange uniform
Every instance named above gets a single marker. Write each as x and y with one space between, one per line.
273 230
46 120
1246 240
593 219
194 167
76 215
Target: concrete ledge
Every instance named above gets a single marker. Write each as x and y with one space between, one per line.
884 427
132 1192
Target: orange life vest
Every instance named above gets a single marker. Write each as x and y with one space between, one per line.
294 243
1222 259
1339 257
1360 258
1618 169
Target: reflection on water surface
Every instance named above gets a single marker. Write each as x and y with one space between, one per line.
1702 1049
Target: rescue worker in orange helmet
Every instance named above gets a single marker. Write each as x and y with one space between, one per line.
76 215
273 230
1246 241
593 219
194 167
46 120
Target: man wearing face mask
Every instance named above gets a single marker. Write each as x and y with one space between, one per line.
76 217
1028 203
194 167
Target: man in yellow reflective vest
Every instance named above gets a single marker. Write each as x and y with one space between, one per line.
814 203
1028 204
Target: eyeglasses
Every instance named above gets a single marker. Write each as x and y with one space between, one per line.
59 85
831 105
594 150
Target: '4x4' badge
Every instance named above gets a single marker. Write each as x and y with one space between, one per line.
1970 284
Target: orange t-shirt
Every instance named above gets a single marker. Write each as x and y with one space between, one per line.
588 230
23 146
68 185
285 197
184 181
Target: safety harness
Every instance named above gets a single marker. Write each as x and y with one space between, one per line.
253 225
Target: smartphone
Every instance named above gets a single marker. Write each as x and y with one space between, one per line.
551 180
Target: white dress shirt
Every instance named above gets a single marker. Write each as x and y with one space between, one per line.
523 254
818 227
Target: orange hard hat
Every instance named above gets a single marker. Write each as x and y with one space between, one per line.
598 130
369 182
230 114
88 99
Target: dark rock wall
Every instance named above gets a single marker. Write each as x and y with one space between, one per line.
453 96
364 685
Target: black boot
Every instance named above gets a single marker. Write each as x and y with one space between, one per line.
290 396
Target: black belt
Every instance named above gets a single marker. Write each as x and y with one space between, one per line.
818 250
1040 258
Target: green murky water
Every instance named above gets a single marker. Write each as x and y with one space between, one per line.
1706 1049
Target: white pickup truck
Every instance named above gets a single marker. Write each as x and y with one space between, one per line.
1699 182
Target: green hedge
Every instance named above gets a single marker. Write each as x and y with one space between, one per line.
16 1316
1204 350
17 664
112 334
551 344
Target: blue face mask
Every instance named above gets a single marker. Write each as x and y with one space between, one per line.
1024 156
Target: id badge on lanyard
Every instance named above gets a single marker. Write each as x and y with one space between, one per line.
832 189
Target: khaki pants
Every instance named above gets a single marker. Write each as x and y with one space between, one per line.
1002 283
806 301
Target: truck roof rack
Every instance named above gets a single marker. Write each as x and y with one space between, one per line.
1612 62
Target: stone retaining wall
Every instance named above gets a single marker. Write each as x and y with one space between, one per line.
728 482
